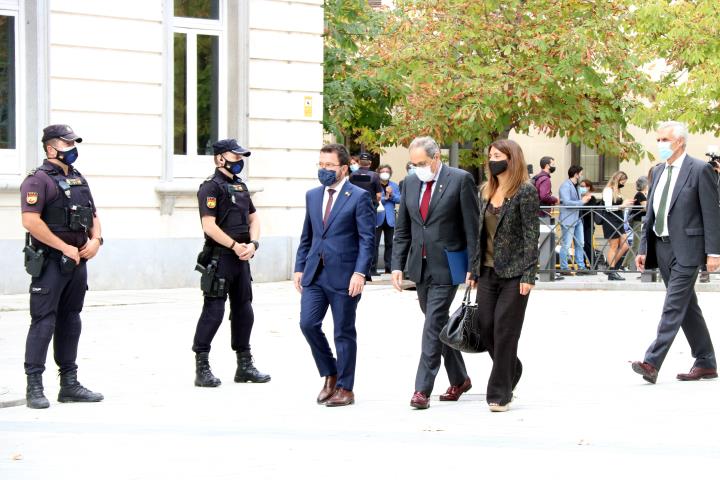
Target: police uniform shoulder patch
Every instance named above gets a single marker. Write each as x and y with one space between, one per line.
211 202
31 198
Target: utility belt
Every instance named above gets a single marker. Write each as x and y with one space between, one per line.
75 217
37 257
211 284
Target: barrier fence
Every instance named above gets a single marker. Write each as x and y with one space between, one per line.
596 239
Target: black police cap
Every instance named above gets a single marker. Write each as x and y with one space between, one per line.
63 132
229 145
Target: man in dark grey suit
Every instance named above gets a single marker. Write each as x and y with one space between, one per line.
681 233
439 213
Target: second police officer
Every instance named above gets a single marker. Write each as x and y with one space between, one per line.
59 214
232 228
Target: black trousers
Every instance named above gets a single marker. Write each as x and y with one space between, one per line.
388 231
56 300
435 301
237 273
501 313
680 310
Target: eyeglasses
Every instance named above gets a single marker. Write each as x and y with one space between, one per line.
328 165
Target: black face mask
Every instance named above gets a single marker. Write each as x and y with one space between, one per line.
552 169
497 167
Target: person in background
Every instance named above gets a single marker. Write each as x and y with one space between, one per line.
704 275
366 179
385 217
635 218
613 226
572 227
588 219
504 265
543 184
409 170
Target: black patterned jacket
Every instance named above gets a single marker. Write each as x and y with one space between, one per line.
516 237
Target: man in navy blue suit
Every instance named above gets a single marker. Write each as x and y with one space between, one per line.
331 266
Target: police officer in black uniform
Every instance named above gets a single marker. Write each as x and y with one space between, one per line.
232 229
59 214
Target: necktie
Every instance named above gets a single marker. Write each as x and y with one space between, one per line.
328 207
425 206
660 218
425 202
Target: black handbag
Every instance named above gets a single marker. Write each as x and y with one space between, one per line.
459 333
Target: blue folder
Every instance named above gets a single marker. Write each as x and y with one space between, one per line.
458 263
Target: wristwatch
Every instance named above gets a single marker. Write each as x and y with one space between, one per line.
256 243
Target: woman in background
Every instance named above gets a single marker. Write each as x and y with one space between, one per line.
613 226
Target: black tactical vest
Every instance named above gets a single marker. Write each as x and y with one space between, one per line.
72 209
233 209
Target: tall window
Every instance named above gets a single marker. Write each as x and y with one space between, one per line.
197 34
596 166
8 82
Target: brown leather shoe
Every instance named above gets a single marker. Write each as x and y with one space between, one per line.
454 391
341 398
648 372
698 373
420 401
328 389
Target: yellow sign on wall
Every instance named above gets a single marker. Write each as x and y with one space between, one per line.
308 106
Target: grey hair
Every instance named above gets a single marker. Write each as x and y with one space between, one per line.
679 129
426 143
641 183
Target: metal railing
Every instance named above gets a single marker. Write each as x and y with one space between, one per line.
613 243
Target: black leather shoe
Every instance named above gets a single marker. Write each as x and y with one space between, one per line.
615 276
72 391
34 394
246 371
203 375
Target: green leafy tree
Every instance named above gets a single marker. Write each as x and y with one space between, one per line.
355 100
685 38
470 70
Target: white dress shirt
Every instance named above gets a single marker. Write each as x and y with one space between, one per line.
423 185
326 196
676 165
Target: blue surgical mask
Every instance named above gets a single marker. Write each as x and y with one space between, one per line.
411 171
234 167
664 150
354 167
327 177
68 156
582 190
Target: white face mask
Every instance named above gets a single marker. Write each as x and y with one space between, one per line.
384 176
425 174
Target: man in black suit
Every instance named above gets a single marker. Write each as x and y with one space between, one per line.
439 213
681 233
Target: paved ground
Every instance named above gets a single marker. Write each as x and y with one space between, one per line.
580 411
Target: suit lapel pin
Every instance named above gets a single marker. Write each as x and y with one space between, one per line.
347 194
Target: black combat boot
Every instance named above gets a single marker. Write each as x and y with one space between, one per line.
35 396
246 371
72 391
203 376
